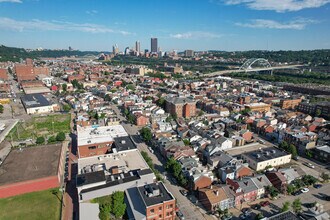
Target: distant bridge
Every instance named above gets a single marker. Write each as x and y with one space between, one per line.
247 66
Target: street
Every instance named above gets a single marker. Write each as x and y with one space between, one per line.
189 210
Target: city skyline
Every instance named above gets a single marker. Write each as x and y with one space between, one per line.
228 25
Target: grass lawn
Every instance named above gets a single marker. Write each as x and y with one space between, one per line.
40 126
36 205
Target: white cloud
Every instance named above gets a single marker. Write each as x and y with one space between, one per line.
12 1
92 12
298 24
279 5
194 35
39 25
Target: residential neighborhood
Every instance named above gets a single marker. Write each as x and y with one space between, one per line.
170 148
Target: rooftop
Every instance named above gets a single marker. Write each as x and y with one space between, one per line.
265 154
125 161
34 100
30 163
324 148
123 143
99 134
180 100
154 193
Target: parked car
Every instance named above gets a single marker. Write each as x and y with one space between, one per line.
304 190
183 192
151 150
326 197
296 193
180 215
264 203
309 165
244 216
246 211
256 206
317 186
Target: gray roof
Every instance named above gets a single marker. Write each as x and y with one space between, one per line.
154 193
123 143
261 181
324 148
265 154
247 185
34 100
179 100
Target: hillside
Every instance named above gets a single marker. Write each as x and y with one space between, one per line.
14 54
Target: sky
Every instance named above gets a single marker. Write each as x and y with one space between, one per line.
229 25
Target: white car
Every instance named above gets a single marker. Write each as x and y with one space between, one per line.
310 165
304 190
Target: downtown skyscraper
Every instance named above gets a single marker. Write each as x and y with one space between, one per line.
154 45
137 47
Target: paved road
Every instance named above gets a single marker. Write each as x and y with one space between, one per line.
189 210
316 172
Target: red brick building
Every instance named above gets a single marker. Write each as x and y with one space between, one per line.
3 74
181 107
289 103
151 202
201 182
141 120
76 77
42 166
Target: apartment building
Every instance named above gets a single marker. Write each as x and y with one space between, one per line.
181 106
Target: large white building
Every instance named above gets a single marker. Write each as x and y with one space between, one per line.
104 174
37 104
262 158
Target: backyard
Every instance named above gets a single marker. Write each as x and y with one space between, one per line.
40 126
36 205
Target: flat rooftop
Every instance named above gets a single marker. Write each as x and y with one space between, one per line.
34 90
258 104
30 163
123 143
154 193
125 161
265 154
101 134
236 151
34 100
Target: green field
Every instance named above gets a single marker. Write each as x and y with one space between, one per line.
37 205
40 126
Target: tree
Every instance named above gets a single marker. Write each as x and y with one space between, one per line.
259 216
222 212
325 176
51 139
130 87
60 136
296 205
293 150
126 112
309 153
64 87
272 191
318 112
309 180
186 142
286 206
161 102
146 134
290 189
66 108
40 140
107 98
119 206
1 108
